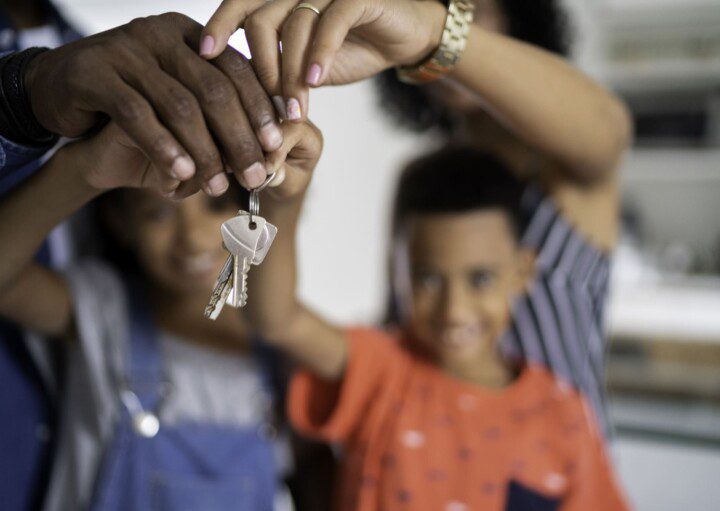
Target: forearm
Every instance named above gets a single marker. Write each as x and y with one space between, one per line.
274 310
546 102
32 210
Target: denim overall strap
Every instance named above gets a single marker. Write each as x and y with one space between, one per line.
143 366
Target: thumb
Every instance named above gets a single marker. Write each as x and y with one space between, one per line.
224 23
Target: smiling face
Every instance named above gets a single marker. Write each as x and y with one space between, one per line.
177 244
466 268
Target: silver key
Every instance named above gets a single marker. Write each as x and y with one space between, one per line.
269 231
231 285
248 238
221 290
241 237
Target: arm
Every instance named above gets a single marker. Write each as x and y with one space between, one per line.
37 298
30 295
546 103
273 309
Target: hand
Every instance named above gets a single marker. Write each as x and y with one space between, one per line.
295 160
111 159
351 40
191 118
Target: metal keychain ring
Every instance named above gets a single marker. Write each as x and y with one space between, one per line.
254 205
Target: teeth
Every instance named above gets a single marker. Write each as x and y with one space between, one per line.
198 264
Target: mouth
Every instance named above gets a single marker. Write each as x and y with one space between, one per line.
197 265
461 337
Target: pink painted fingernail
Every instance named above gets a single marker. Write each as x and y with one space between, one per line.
207 45
182 168
254 175
314 73
293 109
216 185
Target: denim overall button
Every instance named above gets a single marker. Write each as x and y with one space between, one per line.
146 424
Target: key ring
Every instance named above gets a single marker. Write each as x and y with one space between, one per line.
254 205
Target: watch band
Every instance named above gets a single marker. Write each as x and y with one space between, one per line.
452 44
17 121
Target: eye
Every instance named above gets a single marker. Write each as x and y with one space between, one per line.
481 279
427 280
156 212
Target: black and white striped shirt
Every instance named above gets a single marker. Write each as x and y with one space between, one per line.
560 321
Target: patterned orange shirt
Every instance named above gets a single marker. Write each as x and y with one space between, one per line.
415 438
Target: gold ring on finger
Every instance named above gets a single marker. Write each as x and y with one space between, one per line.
310 7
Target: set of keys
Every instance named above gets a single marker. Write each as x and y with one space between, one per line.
248 238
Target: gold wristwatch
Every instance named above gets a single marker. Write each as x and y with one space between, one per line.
452 44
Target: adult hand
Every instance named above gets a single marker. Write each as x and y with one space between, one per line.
190 117
349 41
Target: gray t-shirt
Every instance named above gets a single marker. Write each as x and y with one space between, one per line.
205 385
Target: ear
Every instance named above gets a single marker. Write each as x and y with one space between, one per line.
524 272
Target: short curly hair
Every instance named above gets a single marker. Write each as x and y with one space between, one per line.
543 23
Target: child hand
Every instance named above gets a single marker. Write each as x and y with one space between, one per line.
295 160
111 160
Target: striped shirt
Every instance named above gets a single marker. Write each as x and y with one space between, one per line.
560 321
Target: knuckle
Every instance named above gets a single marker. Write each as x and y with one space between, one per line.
255 22
182 107
267 75
234 63
131 109
162 150
172 18
216 91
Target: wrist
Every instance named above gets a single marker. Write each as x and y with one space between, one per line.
433 15
18 121
77 169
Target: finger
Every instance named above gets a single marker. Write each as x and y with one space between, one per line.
297 35
224 22
136 117
185 190
300 141
332 30
257 105
278 178
180 112
220 104
262 29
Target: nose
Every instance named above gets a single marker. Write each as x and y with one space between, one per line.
194 235
456 304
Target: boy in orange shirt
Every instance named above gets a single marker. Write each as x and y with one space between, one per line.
433 417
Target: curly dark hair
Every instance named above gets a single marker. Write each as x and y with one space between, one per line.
543 23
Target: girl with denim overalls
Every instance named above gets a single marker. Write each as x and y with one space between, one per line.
161 408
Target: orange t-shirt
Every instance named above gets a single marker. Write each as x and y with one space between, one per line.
417 439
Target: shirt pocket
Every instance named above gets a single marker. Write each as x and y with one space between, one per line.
522 498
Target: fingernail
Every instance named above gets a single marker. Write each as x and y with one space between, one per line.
279 106
207 45
182 168
293 109
314 73
216 185
271 136
254 175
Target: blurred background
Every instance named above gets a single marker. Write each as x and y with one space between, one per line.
663 57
